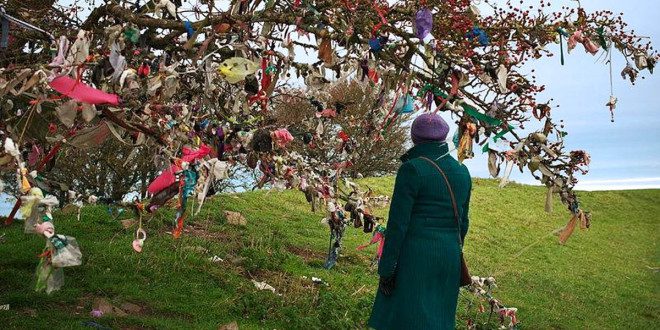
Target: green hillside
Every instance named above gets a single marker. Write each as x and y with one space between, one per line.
604 278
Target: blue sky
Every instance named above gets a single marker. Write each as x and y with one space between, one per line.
625 154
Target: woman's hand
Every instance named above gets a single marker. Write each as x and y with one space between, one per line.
386 285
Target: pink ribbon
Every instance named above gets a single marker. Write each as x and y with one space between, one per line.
83 93
282 137
167 178
190 154
376 238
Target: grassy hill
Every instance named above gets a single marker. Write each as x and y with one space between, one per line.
604 278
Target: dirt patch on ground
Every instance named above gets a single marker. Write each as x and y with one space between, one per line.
356 259
204 231
203 228
99 307
108 307
305 253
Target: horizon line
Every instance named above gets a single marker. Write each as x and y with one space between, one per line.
639 183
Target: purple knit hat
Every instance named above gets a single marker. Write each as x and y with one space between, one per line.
429 127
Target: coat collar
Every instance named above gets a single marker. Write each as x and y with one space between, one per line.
429 149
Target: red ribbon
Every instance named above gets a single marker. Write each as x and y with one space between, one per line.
349 5
381 11
266 80
179 226
343 136
389 113
452 92
179 221
46 254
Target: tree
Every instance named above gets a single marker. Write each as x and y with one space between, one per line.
350 137
109 172
210 72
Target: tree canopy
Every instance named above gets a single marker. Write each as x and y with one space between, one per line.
203 84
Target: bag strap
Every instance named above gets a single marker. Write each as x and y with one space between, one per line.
453 199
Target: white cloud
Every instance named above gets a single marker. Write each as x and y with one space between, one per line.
619 184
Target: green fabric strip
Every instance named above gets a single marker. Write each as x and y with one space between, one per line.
474 113
497 136
470 110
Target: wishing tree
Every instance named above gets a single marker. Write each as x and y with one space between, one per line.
203 85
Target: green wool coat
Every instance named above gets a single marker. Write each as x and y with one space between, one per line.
421 247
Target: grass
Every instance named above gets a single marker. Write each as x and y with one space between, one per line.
604 278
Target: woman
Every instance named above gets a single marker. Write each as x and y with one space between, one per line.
420 266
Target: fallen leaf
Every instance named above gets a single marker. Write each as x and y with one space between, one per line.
235 218
69 209
229 326
103 305
106 308
128 223
131 308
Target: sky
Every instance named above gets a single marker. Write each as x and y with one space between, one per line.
624 154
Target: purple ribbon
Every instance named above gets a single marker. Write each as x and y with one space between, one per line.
423 23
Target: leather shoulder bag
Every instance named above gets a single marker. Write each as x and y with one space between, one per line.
465 278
